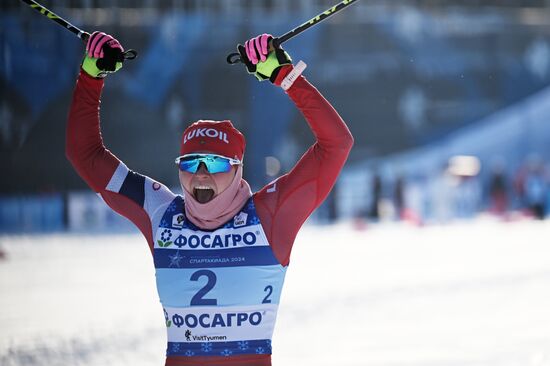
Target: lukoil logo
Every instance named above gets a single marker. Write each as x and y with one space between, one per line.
206 132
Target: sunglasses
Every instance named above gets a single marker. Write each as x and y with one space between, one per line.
214 163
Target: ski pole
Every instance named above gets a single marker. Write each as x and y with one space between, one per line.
128 55
235 57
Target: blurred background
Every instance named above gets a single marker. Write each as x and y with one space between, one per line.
420 83
449 105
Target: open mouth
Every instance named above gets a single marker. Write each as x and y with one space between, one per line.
203 194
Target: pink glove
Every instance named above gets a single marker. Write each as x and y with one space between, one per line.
258 48
94 47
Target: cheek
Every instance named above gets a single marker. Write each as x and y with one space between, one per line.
185 180
228 179
223 180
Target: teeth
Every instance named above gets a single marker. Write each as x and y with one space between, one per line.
202 187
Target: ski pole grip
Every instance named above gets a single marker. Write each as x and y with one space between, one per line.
235 57
127 55
275 43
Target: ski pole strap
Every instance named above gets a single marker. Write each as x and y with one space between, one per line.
293 75
129 54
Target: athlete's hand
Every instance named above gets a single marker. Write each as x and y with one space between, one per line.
104 55
261 59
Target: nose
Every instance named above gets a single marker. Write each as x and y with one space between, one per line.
202 170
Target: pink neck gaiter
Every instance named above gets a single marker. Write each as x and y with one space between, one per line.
220 209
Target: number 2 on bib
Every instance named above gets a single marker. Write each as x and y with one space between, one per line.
269 290
199 299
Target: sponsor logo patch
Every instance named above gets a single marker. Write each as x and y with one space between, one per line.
240 219
177 221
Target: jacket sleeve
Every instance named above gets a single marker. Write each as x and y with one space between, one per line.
130 194
285 204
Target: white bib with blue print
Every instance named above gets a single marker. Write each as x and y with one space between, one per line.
220 289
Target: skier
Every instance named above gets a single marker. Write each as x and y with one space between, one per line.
220 251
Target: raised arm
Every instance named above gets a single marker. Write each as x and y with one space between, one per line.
128 193
84 145
287 202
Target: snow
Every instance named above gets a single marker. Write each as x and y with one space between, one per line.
469 293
